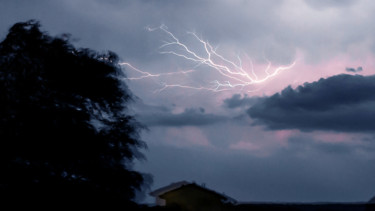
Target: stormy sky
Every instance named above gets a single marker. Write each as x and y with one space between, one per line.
306 134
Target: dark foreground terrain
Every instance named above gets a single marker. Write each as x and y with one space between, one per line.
305 207
282 207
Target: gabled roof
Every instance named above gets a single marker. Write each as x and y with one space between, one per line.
183 184
168 188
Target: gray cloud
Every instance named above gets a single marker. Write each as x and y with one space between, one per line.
151 116
284 176
260 26
302 144
321 4
338 103
237 101
354 70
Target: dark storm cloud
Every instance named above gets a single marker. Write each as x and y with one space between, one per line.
320 4
237 101
163 116
354 70
304 144
120 25
339 103
260 26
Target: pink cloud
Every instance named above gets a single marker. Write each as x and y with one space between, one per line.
333 137
258 141
185 136
285 134
242 145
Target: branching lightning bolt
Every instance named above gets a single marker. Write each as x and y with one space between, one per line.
237 76
149 75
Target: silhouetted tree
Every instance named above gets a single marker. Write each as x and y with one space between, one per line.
372 200
65 134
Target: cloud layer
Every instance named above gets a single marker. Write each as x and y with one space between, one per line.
163 116
236 101
354 70
339 103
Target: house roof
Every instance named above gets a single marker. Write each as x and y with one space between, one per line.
179 185
168 188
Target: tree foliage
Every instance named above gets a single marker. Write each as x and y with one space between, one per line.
64 130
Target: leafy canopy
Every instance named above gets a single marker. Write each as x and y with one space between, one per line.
64 130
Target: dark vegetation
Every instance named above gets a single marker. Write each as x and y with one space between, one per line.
65 135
